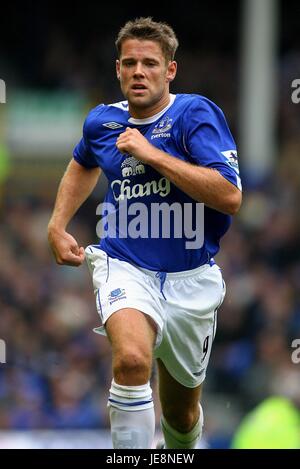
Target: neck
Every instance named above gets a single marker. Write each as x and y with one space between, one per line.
149 111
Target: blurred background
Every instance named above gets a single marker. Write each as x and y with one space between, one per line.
58 61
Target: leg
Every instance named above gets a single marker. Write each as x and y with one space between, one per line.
132 336
182 418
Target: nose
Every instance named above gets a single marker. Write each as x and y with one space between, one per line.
139 71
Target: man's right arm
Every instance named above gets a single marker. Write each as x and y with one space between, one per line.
75 187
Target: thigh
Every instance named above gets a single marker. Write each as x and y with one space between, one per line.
120 286
132 336
130 328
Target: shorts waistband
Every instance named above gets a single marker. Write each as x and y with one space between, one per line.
180 274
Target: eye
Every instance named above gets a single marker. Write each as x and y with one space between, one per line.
128 63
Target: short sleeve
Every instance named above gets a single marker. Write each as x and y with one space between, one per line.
208 140
82 153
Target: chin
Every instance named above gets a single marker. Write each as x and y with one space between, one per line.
140 102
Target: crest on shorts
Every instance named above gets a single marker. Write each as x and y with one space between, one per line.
115 295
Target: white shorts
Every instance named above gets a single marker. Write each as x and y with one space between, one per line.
183 305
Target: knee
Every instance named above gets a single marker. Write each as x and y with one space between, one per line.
132 367
182 420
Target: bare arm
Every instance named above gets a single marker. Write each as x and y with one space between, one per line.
75 187
202 184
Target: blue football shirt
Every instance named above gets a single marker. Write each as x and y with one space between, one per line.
145 233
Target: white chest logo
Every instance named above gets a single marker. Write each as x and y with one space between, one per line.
163 125
131 167
161 129
112 125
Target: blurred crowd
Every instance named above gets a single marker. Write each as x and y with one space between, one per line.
58 370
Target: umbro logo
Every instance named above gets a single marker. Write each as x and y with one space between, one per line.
112 125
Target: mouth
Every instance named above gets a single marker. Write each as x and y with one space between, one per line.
138 88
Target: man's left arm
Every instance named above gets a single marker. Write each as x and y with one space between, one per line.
202 184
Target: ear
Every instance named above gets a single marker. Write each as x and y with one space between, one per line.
171 71
118 69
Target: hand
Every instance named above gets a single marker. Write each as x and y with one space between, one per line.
65 248
133 142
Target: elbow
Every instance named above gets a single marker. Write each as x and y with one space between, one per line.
233 203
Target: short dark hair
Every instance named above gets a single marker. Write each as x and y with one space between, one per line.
147 29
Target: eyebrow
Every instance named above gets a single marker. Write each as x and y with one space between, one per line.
144 59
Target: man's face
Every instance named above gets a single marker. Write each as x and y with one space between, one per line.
144 76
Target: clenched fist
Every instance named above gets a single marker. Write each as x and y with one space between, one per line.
133 142
65 248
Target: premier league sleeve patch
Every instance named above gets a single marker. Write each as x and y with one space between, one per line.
232 159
